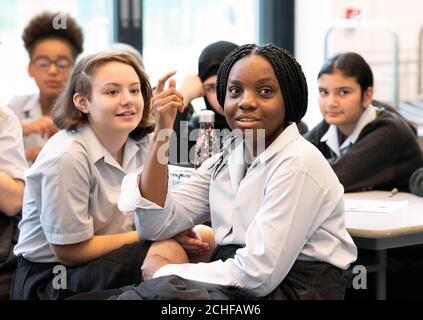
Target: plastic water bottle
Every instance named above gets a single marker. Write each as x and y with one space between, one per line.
207 140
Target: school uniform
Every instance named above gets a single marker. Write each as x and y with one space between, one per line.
71 194
381 153
12 163
416 182
28 108
287 206
12 155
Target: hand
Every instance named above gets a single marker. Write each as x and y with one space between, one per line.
192 88
152 264
191 243
31 154
167 102
44 126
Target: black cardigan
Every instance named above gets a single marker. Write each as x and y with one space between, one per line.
383 157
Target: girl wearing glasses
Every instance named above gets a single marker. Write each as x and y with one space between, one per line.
52 53
70 215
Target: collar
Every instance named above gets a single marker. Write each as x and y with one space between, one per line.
33 106
236 160
98 151
287 136
331 135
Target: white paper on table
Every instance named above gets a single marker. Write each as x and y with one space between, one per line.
373 205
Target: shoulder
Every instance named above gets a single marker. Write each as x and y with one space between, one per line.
303 153
317 132
19 102
7 115
302 156
389 125
64 149
9 121
302 165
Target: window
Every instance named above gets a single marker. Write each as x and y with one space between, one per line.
94 16
176 31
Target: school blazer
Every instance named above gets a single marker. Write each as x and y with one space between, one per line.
383 157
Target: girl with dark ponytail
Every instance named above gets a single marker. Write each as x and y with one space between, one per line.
368 144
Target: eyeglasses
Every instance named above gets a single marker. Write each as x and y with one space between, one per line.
45 63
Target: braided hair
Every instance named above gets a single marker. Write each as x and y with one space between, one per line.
291 80
288 72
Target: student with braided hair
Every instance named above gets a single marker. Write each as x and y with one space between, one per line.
52 53
275 205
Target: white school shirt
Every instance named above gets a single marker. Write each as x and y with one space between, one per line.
12 154
71 193
28 108
288 206
331 135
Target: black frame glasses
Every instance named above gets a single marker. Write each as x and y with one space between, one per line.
44 64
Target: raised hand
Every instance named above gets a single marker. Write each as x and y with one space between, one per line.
191 88
167 102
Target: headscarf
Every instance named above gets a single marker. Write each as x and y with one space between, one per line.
208 63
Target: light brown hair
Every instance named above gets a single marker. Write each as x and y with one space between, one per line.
67 116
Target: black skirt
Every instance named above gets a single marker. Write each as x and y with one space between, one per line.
120 267
9 234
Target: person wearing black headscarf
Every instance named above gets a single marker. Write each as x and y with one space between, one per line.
203 85
208 64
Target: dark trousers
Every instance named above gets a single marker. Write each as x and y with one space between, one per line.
120 267
305 281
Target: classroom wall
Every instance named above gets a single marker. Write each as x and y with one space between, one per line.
403 17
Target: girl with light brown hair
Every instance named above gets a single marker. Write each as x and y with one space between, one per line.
70 215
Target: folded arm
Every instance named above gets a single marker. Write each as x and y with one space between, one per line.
91 249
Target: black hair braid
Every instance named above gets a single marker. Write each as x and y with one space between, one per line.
287 70
291 80
225 68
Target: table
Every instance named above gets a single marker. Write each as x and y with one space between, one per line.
382 231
